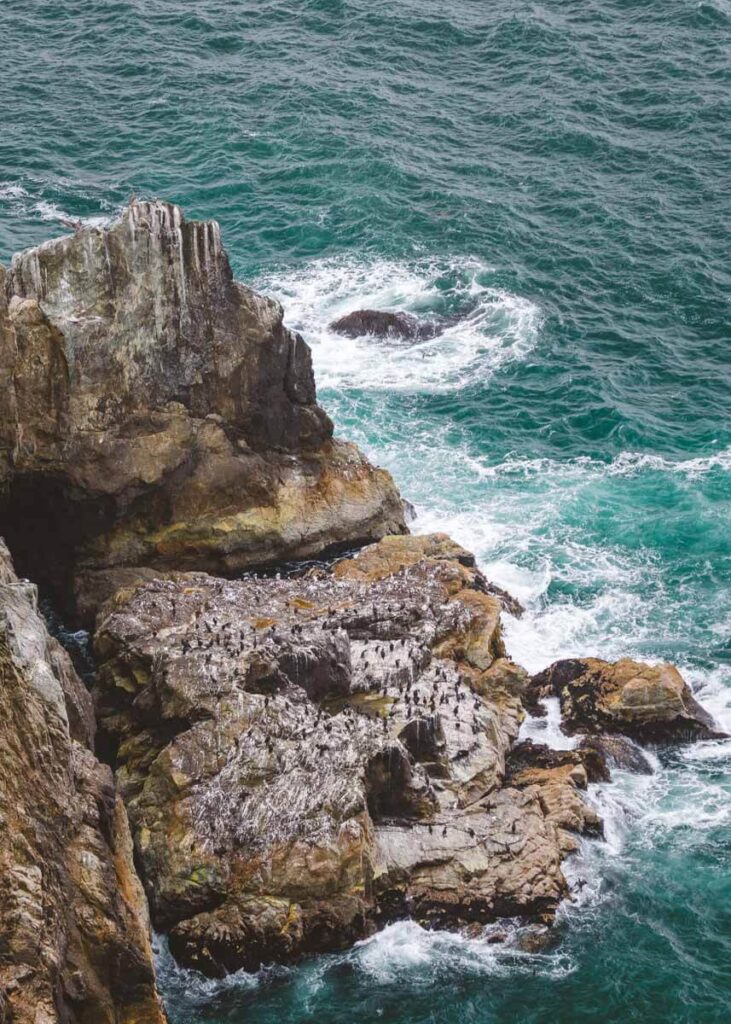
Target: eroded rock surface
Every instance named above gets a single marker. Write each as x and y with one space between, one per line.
74 944
154 412
650 703
305 759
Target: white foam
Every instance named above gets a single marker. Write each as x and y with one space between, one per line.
23 203
547 729
405 950
498 327
51 211
8 190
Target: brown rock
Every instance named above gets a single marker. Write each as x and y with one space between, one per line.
651 703
74 942
304 759
157 413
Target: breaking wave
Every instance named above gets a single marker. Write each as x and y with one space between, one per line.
492 326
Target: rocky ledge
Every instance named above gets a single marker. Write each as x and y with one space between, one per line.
306 759
156 413
74 932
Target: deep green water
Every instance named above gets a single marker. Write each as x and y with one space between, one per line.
560 173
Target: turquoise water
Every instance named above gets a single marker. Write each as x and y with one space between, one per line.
560 175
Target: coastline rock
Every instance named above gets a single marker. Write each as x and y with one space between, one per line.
650 703
157 413
306 759
527 756
383 324
618 752
74 942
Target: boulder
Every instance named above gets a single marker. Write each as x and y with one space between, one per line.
157 413
74 931
384 324
650 703
304 759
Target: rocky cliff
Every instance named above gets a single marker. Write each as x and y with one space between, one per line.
155 412
74 942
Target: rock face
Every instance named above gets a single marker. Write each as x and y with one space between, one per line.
305 759
650 703
74 945
154 412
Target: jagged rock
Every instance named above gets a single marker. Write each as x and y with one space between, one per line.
651 703
395 552
528 756
503 676
74 944
618 752
155 412
306 758
383 324
560 775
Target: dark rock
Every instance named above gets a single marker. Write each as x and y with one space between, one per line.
527 755
383 324
618 752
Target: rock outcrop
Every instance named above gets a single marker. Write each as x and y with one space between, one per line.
384 324
650 703
155 412
74 943
304 759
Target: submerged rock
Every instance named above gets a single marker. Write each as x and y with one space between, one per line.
384 324
306 759
651 703
157 413
74 943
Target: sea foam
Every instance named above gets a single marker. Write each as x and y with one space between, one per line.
494 326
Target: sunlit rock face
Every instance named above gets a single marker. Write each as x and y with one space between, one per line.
304 759
159 413
74 942
650 703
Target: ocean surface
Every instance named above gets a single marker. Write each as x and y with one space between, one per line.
559 175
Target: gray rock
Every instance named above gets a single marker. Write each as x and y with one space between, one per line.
305 759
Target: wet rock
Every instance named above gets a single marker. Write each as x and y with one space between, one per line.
384 324
157 413
650 703
527 755
305 759
74 942
618 752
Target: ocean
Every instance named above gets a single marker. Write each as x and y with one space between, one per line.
556 175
